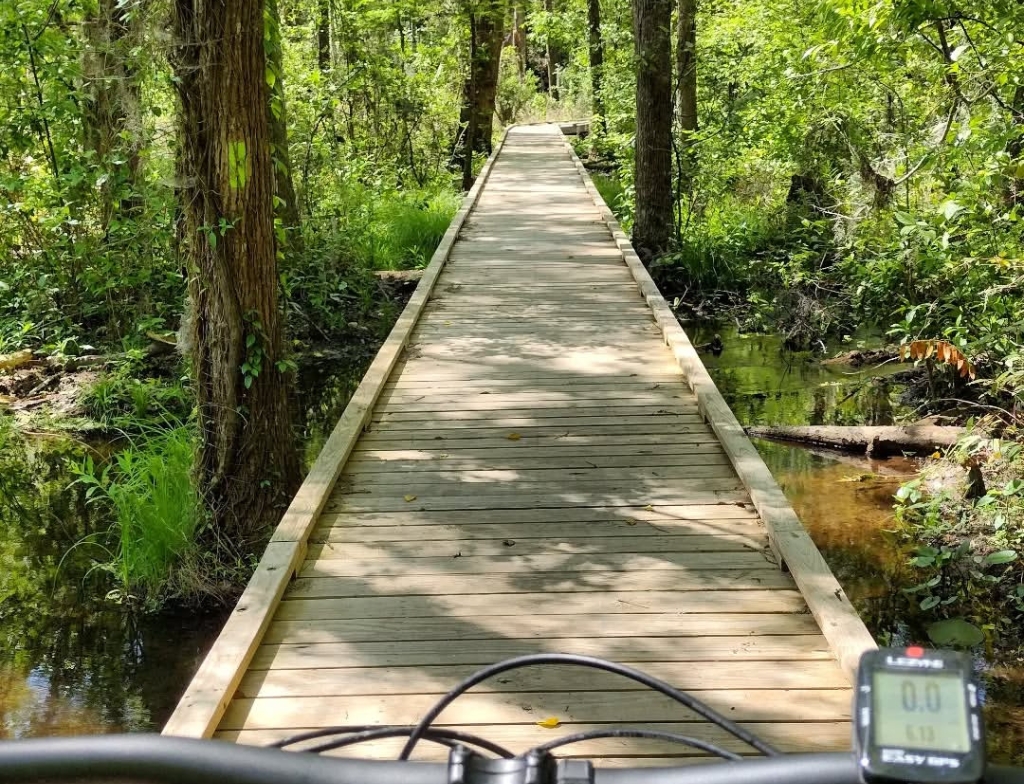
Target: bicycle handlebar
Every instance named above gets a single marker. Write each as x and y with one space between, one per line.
158 759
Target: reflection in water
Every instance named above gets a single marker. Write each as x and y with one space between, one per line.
72 662
846 502
766 384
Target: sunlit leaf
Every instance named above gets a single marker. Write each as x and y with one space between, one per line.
549 723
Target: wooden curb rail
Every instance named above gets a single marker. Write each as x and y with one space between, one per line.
789 540
201 707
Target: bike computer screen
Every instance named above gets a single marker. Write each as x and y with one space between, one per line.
917 717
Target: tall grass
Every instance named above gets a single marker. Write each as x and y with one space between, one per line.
151 547
388 230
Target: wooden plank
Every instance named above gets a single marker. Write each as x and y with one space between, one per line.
483 652
665 428
456 461
484 399
751 533
508 494
206 698
521 478
558 443
553 543
438 679
399 631
647 380
611 449
708 518
788 736
353 560
720 493
607 414
609 603
678 408
825 597
527 707
315 584
519 372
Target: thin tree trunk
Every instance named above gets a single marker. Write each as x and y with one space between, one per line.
476 120
248 466
596 52
652 228
519 35
323 35
287 208
686 87
555 56
113 108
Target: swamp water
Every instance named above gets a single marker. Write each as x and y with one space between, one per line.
73 661
844 501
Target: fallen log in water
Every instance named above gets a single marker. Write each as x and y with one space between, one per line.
873 441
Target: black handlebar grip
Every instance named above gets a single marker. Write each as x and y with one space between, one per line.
158 759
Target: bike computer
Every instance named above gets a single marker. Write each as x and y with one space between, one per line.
917 717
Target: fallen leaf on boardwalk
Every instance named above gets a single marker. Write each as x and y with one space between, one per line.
648 508
549 723
631 522
513 436
410 498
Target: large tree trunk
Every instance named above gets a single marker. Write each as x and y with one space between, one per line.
652 227
596 52
686 87
476 120
112 108
277 117
248 466
323 35
555 56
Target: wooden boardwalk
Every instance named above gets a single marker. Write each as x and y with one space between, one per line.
528 468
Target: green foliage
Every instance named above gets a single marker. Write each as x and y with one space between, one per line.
124 401
151 549
967 553
863 156
515 91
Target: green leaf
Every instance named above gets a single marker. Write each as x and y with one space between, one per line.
1000 557
950 209
955 632
930 601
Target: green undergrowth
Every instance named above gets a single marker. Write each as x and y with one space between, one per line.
964 520
151 549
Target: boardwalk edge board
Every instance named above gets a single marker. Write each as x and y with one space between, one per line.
203 705
842 626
